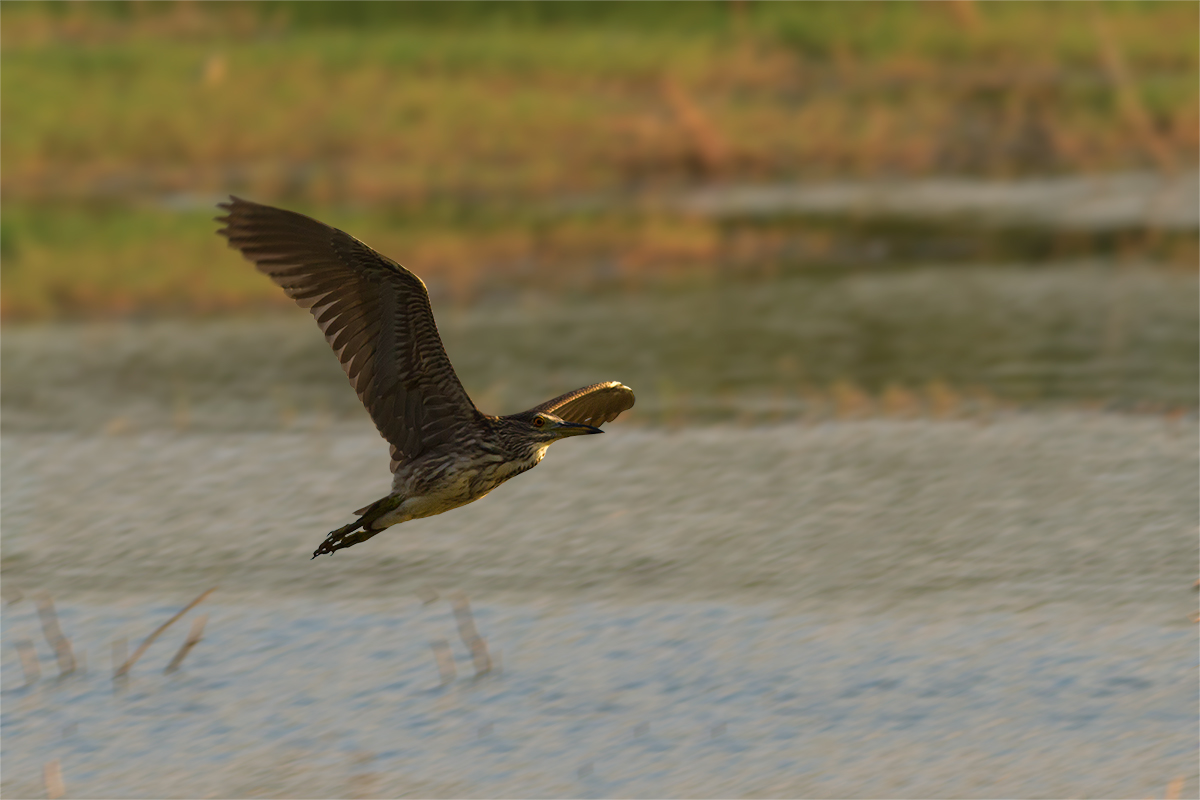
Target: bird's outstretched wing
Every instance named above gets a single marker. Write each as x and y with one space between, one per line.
375 315
591 405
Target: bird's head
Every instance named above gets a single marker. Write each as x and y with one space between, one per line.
540 427
529 433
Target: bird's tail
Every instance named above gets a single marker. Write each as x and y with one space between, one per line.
350 535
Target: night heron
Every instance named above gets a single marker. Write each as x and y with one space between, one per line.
375 315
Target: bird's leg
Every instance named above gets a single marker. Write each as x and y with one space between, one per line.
343 537
346 535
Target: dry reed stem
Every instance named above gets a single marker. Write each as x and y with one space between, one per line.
445 660
124 668
1129 100
120 653
466 621
1174 789
30 664
54 635
52 774
193 638
470 635
479 654
708 144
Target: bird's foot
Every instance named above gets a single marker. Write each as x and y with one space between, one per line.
350 535
345 536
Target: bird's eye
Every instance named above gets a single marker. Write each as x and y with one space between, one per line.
538 422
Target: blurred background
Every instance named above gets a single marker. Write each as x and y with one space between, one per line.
908 296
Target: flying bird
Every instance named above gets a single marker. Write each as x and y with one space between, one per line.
376 316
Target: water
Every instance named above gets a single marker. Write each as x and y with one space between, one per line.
1075 202
993 599
1070 334
864 608
710 699
1034 509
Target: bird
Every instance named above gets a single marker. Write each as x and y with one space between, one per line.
376 316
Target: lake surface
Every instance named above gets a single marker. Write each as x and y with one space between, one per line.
770 580
716 699
863 608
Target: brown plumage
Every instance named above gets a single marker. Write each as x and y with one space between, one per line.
375 314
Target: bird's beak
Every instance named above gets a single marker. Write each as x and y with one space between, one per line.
576 429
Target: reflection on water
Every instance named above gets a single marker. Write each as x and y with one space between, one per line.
1113 336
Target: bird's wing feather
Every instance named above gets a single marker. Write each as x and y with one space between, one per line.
591 405
375 315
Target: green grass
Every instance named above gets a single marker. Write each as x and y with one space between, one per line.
558 104
103 260
441 129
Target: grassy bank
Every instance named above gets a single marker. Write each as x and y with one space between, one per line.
85 261
208 98
438 133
